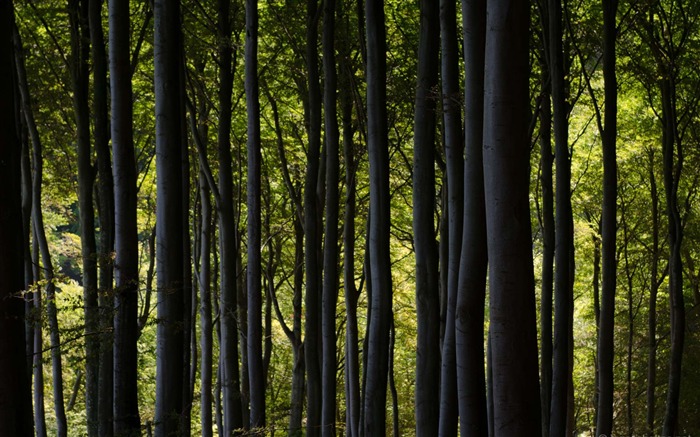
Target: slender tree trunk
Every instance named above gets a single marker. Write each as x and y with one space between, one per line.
126 413
427 399
254 271
379 226
230 377
15 383
471 292
100 387
312 341
604 420
516 404
330 247
392 382
80 49
205 310
672 171
169 208
455 166
563 231
548 233
38 358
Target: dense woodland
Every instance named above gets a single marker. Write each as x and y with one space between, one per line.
356 218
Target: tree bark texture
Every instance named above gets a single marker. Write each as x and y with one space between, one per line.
516 404
427 283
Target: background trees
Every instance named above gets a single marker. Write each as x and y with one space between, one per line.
424 210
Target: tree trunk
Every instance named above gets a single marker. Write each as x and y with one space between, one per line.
548 237
330 247
312 346
653 293
15 389
126 413
516 405
169 209
38 358
205 310
230 377
471 292
563 230
254 271
100 387
454 162
427 399
606 345
80 52
379 226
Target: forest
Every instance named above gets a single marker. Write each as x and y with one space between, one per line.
349 218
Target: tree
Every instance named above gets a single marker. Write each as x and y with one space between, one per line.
254 271
427 296
512 305
15 390
471 291
379 226
330 247
169 232
609 225
126 413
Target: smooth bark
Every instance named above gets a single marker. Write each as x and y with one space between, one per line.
516 404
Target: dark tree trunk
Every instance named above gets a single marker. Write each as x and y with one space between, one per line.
455 167
379 226
312 341
471 291
606 345
105 194
205 310
427 282
254 271
80 52
563 230
230 376
38 359
169 209
126 413
100 387
15 389
330 247
673 165
516 404
548 237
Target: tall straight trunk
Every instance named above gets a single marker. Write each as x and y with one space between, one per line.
205 310
606 345
312 341
548 237
15 389
653 293
513 333
392 382
455 167
230 377
40 237
673 166
80 50
379 226
330 247
563 232
427 399
254 270
99 387
126 413
169 209
352 365
471 291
